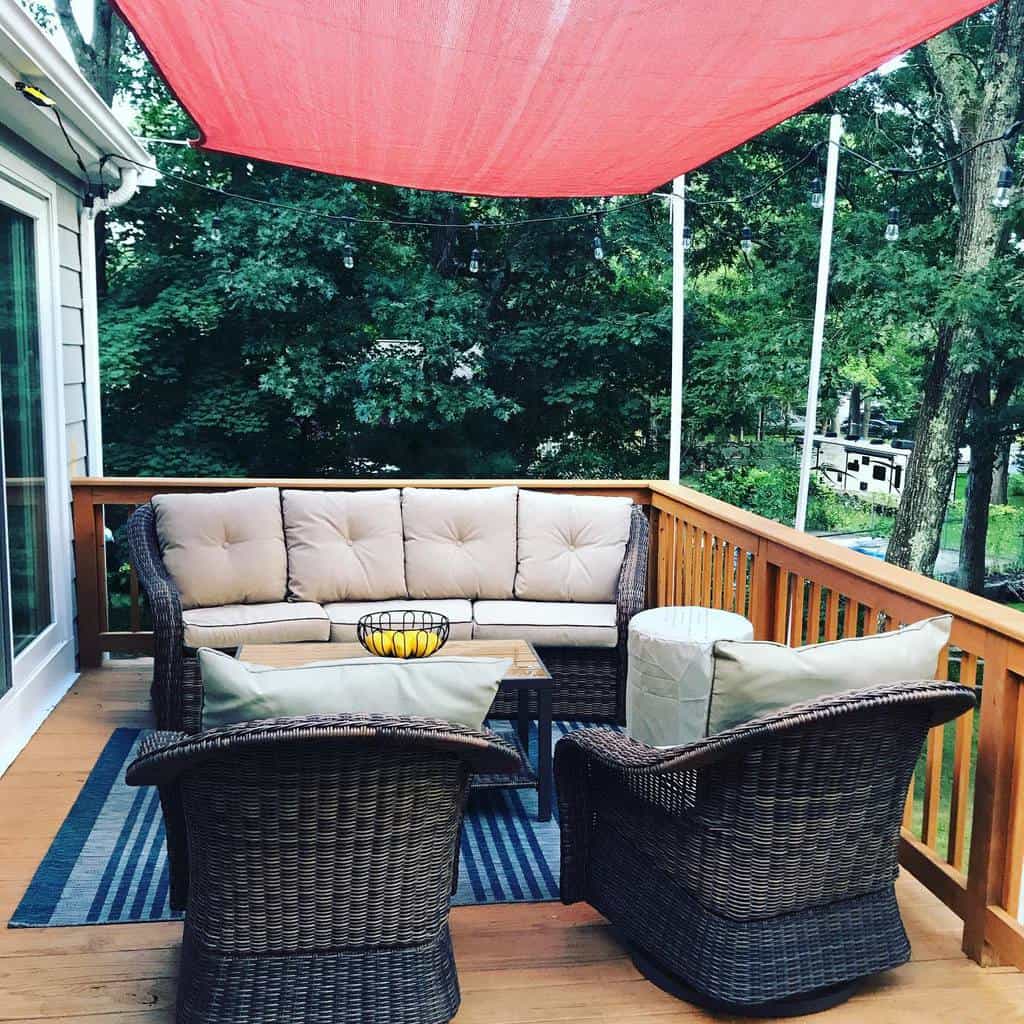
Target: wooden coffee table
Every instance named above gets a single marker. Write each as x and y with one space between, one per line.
526 674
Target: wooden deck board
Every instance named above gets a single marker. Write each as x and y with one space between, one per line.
526 964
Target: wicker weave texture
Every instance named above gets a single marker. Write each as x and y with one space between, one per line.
321 856
757 865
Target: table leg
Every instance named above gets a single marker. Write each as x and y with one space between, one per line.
523 719
544 780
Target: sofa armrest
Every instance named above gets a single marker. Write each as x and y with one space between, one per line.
165 608
631 595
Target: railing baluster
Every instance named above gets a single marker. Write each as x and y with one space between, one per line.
961 789
135 609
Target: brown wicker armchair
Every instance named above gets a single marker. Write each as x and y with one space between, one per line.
322 854
753 871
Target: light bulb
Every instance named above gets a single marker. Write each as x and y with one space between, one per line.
746 238
474 261
1004 188
215 225
817 194
598 248
687 237
348 256
892 229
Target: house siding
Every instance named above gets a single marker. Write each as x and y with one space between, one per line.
72 331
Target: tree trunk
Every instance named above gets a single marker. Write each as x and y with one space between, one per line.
983 440
1001 473
971 574
853 420
981 104
914 542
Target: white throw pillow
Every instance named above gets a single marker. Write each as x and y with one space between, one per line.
455 689
754 677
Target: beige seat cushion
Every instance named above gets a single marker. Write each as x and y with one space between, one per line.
455 689
345 616
282 622
570 546
344 546
752 678
223 548
460 543
546 623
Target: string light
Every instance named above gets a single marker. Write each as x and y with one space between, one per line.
746 238
687 238
892 228
596 242
817 194
476 255
1004 188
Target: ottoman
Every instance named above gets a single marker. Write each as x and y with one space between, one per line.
670 671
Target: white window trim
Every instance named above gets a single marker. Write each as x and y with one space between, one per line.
46 668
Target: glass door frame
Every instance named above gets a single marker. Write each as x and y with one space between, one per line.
51 653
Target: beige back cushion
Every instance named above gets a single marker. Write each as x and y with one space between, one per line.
456 689
223 548
460 543
570 547
344 546
752 678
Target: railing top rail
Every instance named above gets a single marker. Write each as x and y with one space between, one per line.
939 596
178 483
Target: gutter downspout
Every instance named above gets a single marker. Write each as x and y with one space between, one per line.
128 186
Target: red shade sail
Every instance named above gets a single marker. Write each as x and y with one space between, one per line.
514 97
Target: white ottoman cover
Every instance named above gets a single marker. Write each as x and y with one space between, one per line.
670 671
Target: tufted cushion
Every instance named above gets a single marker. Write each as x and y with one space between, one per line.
460 543
344 546
547 623
570 546
345 616
282 622
223 548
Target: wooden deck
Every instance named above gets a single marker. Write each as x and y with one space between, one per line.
517 964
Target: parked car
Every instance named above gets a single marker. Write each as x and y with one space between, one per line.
876 426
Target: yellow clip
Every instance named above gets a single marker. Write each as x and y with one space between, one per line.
34 95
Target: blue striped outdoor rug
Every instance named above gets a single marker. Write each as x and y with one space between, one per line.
108 863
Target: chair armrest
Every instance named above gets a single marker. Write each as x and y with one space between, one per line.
628 756
170 754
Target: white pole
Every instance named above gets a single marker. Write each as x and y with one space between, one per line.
835 134
677 209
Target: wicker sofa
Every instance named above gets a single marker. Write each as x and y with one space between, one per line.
752 872
343 922
267 566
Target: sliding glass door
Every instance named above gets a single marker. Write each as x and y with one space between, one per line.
30 422
24 453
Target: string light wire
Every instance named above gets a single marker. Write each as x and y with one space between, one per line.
740 199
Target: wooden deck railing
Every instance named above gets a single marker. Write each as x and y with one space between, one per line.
963 834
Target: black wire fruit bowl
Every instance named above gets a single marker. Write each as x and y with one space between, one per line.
403 633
